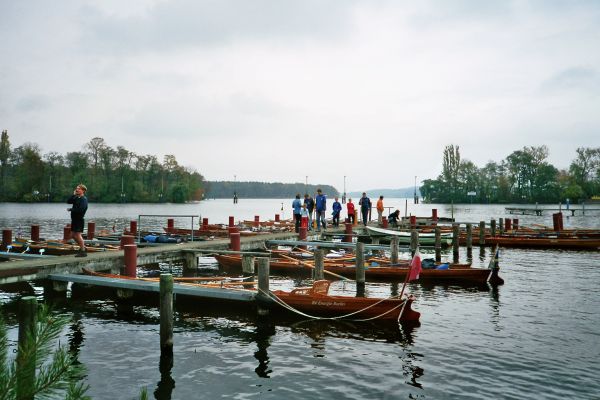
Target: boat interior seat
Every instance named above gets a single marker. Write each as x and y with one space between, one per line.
319 288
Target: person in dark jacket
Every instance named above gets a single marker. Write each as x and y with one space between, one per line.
80 206
337 209
310 206
321 206
393 218
365 207
296 207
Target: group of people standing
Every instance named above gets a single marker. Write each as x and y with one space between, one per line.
306 208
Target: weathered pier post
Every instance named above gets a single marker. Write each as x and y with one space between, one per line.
6 239
501 225
455 241
190 260
91 230
256 221
481 233
166 314
263 284
170 225
35 233
414 241
360 269
516 224
127 239
438 244
319 265
413 221
384 222
133 227
26 359
469 228
394 250
493 227
234 241
231 221
302 235
204 224
507 224
348 232
66 233
248 267
434 216
276 217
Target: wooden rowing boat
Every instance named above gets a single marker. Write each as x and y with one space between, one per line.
396 273
54 248
425 239
316 302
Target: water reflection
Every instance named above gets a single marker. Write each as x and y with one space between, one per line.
265 330
166 385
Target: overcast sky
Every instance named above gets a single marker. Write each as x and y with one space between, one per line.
280 90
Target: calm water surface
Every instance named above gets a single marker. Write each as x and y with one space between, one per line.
537 336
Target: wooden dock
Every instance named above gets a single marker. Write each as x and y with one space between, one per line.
40 267
535 210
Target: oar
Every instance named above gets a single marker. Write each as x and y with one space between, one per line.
313 267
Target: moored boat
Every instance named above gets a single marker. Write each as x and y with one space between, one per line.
425 239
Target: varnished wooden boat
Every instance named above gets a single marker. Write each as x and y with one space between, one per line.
210 232
316 302
544 242
425 239
54 248
396 273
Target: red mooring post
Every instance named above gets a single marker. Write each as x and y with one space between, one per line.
348 232
231 221
384 222
304 222
515 223
434 216
6 238
234 241
35 233
232 229
276 217
413 221
91 232
170 225
66 233
560 221
302 235
130 260
127 239
133 227
507 224
204 224
256 221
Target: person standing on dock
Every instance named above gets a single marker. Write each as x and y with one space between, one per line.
337 209
321 206
365 207
296 206
80 206
310 206
351 211
380 210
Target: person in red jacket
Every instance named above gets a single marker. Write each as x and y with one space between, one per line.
350 207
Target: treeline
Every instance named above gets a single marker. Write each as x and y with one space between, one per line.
263 190
524 176
111 174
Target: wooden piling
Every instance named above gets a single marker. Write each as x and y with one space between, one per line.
455 235
493 227
6 239
469 236
394 249
263 283
234 241
190 261
26 350
35 233
414 241
130 260
348 233
166 313
481 233
66 233
91 230
248 265
319 265
438 244
501 225
127 239
360 264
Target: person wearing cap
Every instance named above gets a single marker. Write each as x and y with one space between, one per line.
80 206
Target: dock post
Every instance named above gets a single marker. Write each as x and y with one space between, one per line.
438 244
170 225
133 227
493 227
231 221
348 235
190 261
234 241
414 241
248 267
263 283
256 221
434 216
130 260
481 233
35 233
507 224
66 233
583 208
374 240
26 359
360 269
469 236
127 239
277 218
302 234
204 226
394 249
6 239
501 225
516 224
319 265
455 240
91 230
166 314
384 222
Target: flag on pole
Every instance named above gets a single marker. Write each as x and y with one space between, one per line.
415 266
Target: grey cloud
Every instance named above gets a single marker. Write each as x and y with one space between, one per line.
175 24
32 103
572 79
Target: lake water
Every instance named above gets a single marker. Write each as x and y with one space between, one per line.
537 336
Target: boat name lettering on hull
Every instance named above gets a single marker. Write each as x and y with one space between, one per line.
328 303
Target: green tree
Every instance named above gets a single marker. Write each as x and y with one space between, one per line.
4 155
